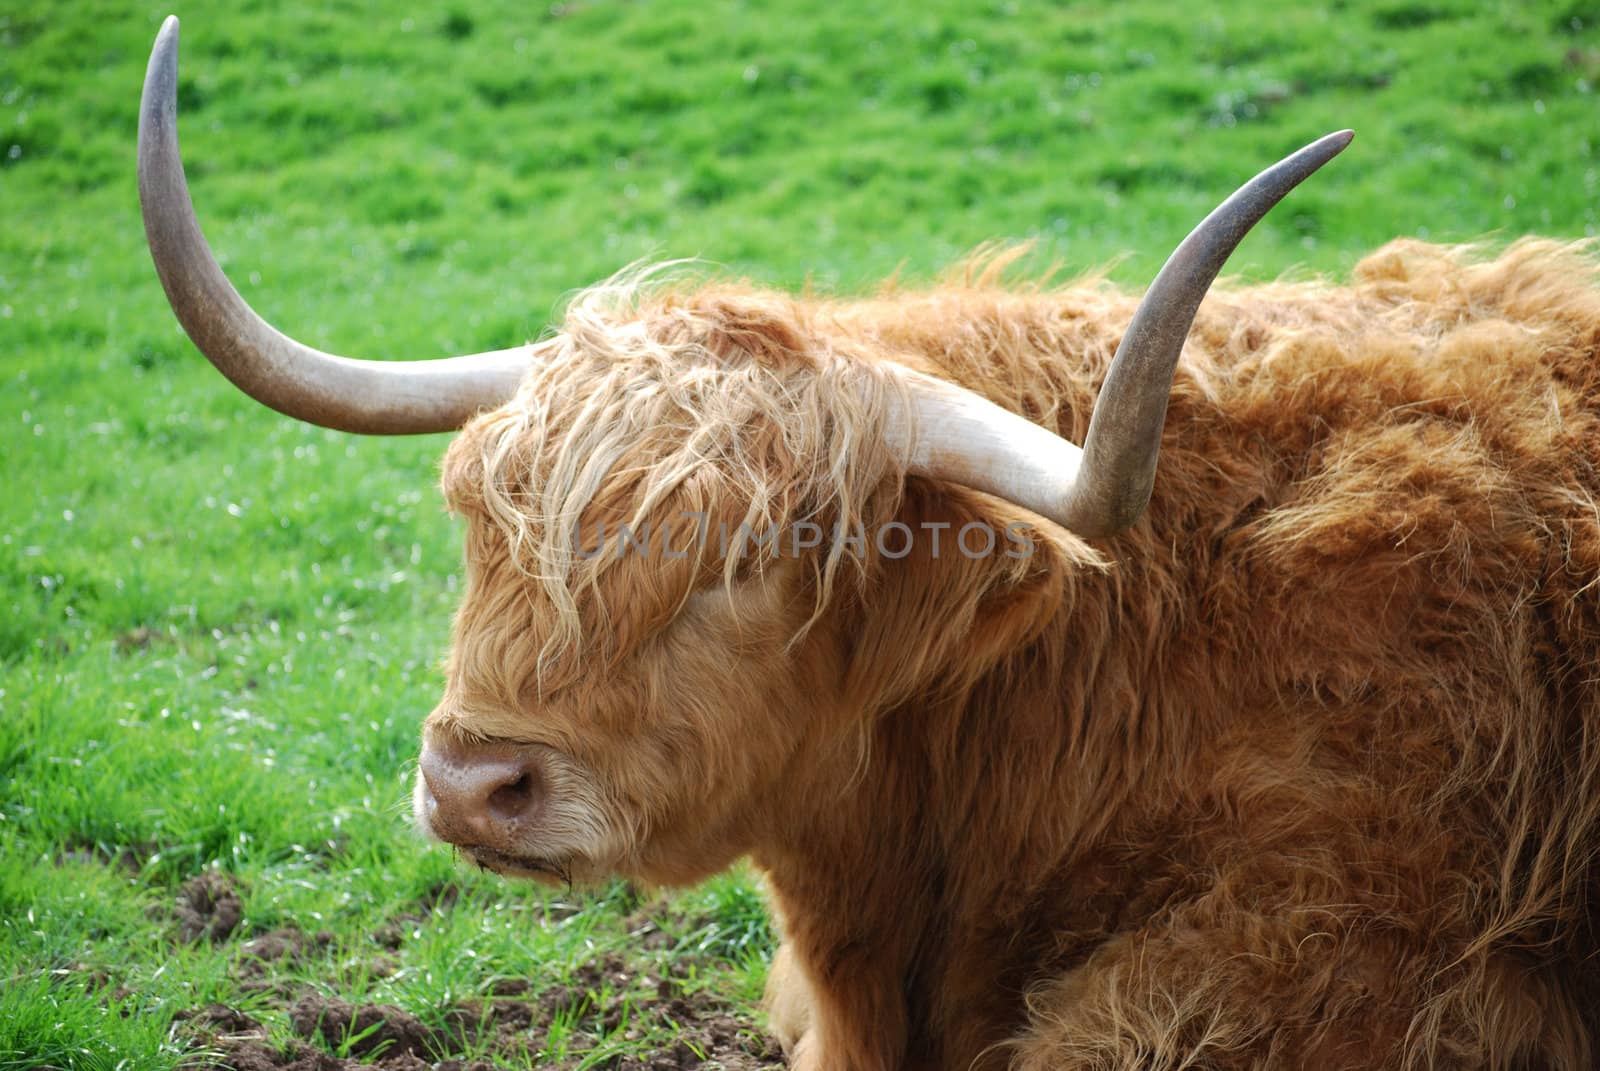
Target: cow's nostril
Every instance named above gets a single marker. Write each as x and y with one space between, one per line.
479 793
514 798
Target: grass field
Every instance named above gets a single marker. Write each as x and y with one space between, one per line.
219 630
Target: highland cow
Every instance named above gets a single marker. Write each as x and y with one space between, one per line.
1295 766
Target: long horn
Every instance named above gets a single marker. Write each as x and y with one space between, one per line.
1104 487
376 397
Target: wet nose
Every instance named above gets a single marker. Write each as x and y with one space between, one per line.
479 794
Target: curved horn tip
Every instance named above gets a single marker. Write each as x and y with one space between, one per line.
167 36
1336 141
161 76
1328 146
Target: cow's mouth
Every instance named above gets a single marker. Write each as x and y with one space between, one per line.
519 866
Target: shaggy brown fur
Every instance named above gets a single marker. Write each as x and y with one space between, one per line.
1301 771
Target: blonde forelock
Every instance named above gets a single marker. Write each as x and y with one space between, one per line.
655 401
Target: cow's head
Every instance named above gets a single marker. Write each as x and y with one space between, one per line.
629 702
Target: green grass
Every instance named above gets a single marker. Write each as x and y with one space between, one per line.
219 630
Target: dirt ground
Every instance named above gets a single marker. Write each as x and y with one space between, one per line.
510 1022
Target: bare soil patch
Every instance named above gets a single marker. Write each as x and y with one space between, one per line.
208 908
510 1022
388 1038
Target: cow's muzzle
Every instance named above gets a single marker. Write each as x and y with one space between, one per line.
480 795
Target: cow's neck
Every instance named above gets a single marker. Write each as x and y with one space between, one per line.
925 874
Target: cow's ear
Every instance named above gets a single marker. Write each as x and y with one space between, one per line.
978 580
